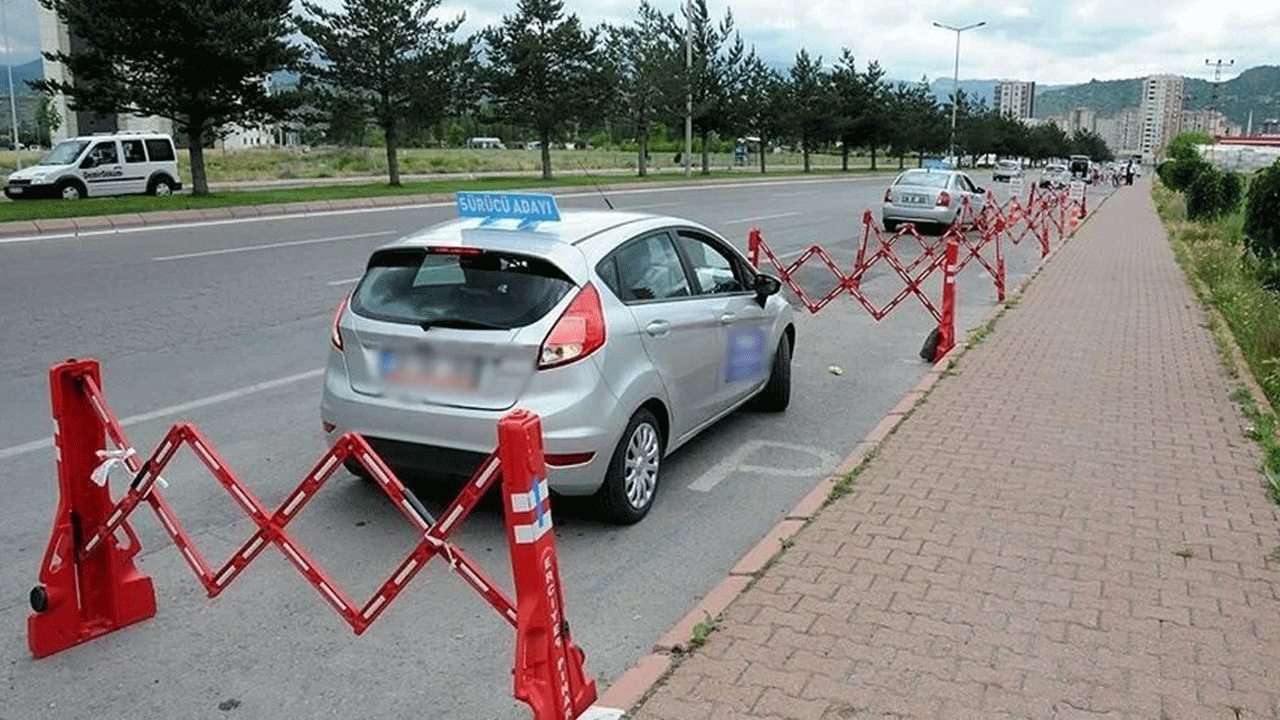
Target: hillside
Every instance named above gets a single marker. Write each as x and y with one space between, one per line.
1256 89
33 70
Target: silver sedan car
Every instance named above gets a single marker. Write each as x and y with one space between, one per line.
929 196
627 333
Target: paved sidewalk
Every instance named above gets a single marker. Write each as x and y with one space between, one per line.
1072 527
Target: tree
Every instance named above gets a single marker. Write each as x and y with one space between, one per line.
810 102
766 101
47 120
851 104
385 57
203 64
647 69
873 125
717 73
544 70
1087 142
917 123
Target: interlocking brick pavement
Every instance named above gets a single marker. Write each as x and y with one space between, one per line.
1070 528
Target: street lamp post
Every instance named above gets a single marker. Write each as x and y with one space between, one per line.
955 82
688 71
13 101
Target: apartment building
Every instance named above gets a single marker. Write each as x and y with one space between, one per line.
1015 99
1161 109
1121 132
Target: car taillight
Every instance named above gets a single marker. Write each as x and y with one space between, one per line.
334 336
888 195
453 250
944 199
578 333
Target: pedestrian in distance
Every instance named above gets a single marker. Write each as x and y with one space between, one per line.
1128 173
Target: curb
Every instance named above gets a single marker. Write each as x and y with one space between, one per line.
647 674
108 223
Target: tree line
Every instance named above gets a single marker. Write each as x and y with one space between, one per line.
397 66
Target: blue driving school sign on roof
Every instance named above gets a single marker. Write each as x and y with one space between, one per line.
528 208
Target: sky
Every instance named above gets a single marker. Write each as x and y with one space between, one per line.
1053 42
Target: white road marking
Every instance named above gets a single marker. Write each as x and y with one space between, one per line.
348 281
651 206
735 461
271 246
421 206
15 450
759 218
596 712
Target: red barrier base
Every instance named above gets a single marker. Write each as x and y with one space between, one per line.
83 595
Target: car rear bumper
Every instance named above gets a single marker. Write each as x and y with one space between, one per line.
892 212
451 442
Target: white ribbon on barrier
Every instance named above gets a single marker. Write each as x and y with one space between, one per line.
112 458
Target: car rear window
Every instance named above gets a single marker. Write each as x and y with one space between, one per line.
160 150
923 179
464 288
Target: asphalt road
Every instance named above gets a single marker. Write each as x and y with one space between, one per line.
226 324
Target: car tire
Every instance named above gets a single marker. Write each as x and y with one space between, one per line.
70 190
631 480
891 225
776 395
161 186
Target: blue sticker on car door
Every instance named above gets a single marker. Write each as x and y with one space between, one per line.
744 355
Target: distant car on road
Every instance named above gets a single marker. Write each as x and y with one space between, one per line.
1055 177
1081 168
934 197
627 333
1006 170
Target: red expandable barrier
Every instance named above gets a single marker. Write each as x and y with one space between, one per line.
90 587
548 666
1017 220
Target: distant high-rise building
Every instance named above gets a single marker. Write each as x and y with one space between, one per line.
1121 132
1082 118
1161 112
1015 99
1210 122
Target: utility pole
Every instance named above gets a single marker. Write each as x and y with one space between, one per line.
1217 78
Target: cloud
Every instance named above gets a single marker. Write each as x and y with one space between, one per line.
1049 41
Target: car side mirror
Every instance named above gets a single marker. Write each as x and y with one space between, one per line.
980 190
88 163
766 285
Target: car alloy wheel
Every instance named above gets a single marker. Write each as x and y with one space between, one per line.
631 478
644 453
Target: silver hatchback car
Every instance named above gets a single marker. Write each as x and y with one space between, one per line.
928 196
627 333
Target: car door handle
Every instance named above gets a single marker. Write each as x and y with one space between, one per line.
727 318
658 328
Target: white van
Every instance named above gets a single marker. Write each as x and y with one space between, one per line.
99 165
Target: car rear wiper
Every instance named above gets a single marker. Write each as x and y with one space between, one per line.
460 324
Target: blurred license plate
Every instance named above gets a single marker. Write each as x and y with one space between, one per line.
916 199
428 370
